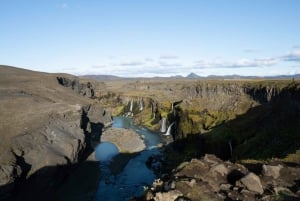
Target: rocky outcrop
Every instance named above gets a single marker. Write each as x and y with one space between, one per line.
210 178
40 158
85 89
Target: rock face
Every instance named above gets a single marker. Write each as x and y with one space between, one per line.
83 89
62 142
45 131
210 178
240 114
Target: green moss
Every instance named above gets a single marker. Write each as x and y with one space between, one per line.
118 110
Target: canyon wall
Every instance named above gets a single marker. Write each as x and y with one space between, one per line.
46 130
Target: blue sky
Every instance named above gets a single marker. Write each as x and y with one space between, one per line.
152 37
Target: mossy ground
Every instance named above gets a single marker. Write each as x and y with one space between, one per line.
257 130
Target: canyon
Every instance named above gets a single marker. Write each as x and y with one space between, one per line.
50 122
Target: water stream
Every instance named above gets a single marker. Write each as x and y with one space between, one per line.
131 181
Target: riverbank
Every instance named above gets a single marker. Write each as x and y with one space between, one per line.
126 140
83 182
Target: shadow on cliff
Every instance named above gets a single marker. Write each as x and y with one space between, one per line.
267 131
75 182
47 182
62 183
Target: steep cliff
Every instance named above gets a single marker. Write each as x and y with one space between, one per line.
224 112
46 129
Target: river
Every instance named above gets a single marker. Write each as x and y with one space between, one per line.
131 181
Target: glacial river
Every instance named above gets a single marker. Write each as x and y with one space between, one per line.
131 181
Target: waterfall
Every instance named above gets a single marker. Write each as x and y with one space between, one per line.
230 147
169 129
141 105
172 108
163 127
131 106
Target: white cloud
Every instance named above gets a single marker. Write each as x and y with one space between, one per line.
218 66
168 57
240 63
98 66
132 63
293 56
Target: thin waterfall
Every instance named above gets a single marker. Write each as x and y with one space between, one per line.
163 127
230 147
141 105
131 106
169 129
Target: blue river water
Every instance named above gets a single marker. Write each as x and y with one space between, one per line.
131 181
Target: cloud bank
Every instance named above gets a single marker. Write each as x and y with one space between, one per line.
173 65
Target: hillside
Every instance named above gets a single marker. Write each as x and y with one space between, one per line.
42 127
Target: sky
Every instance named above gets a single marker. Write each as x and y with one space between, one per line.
134 38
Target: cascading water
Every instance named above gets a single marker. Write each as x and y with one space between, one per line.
131 106
163 127
169 129
141 105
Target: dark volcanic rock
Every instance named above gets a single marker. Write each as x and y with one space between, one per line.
210 178
80 88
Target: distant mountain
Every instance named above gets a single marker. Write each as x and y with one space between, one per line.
102 77
195 76
283 76
177 76
192 76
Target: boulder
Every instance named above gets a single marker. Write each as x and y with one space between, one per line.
149 195
221 169
252 182
210 158
167 196
272 171
225 187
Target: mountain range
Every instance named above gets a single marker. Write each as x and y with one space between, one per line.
196 76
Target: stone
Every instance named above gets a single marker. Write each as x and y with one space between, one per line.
182 198
252 183
221 169
192 183
149 195
284 190
167 196
6 174
225 187
212 159
157 183
272 171
167 186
